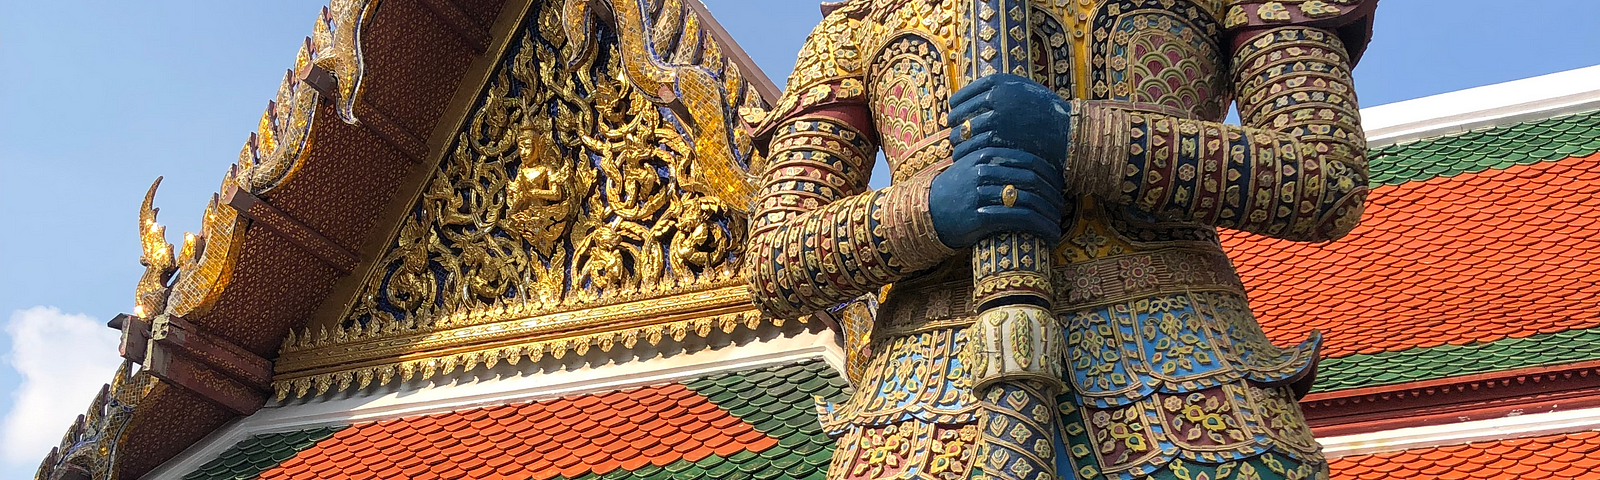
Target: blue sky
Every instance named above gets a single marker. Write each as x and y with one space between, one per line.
97 98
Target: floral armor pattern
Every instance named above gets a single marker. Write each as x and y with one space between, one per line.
1169 374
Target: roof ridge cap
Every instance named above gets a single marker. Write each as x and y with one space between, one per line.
1545 96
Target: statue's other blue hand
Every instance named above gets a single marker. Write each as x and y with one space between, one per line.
968 199
1008 130
1008 111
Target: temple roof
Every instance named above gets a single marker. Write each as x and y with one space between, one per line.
1497 147
1568 455
1475 254
361 122
1466 293
1505 103
751 423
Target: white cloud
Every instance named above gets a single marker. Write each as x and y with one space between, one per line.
62 360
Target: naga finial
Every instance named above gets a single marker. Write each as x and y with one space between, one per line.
156 256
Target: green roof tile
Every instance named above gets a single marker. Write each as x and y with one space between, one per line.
254 455
1388 368
1549 139
777 401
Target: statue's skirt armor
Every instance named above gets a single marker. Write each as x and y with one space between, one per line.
1177 376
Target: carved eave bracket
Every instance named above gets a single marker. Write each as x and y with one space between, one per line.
187 356
135 336
372 117
262 213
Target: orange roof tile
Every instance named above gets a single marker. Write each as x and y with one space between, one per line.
566 437
1454 260
1561 456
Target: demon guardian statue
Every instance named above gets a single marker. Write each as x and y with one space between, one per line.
1060 304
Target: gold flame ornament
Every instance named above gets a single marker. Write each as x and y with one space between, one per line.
150 296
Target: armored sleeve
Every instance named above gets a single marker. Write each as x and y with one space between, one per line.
1295 170
820 237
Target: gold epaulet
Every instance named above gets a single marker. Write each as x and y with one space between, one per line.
829 68
1352 19
1247 13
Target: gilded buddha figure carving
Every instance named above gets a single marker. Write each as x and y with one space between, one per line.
1054 301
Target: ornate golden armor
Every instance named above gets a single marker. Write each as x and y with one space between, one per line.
1169 373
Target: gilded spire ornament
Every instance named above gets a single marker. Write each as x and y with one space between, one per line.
150 295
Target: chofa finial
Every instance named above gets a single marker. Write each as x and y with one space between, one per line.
157 257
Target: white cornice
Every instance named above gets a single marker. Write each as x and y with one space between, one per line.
1504 428
1534 98
503 385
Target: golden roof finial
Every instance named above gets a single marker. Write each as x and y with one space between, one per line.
156 256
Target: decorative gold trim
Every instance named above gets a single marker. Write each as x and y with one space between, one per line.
569 186
274 151
383 351
336 46
90 445
205 265
460 113
150 294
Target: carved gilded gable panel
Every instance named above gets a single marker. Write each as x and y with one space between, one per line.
599 164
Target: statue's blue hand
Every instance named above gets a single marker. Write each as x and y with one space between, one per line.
1008 111
1008 130
968 199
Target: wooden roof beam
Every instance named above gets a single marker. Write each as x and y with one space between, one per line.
374 118
135 335
308 239
470 33
184 354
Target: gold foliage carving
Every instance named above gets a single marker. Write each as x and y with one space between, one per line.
382 352
668 53
568 185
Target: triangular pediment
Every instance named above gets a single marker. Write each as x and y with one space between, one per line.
598 179
441 185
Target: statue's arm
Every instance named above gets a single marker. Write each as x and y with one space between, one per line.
1296 170
820 237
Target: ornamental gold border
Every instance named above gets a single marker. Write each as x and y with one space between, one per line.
358 357
91 443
